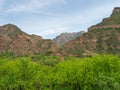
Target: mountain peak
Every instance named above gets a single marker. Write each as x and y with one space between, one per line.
116 12
10 29
66 37
116 9
13 39
9 25
102 37
111 22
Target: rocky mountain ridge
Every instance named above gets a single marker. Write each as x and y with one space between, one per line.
13 40
100 38
66 37
103 37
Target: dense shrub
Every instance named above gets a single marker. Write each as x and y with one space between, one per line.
100 72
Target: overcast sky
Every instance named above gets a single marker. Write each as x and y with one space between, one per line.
49 18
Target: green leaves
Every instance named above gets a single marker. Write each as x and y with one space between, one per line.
100 72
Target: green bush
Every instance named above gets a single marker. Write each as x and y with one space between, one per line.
100 72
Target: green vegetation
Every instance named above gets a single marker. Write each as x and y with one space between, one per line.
112 20
39 43
37 72
99 45
28 40
79 52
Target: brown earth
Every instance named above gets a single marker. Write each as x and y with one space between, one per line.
13 40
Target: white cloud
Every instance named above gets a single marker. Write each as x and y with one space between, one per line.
34 6
51 26
72 22
1 3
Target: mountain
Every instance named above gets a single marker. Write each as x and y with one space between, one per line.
103 37
13 40
100 38
66 37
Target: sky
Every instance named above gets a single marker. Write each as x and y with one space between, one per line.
49 18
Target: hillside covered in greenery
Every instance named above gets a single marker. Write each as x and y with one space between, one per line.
100 72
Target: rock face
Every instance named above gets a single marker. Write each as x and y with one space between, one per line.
13 40
101 38
66 37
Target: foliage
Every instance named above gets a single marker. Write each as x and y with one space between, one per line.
100 72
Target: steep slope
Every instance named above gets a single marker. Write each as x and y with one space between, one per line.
101 38
66 37
13 40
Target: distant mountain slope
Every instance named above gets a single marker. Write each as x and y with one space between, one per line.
66 37
13 40
101 38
